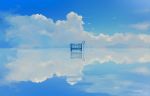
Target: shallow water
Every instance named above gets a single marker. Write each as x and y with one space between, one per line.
92 72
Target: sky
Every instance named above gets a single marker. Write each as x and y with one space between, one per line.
98 14
101 72
98 19
35 36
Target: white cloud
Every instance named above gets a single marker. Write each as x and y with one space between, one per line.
116 86
37 65
146 10
145 38
38 31
142 71
141 26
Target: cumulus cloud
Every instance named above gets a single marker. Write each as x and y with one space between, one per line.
142 71
116 86
141 26
38 65
38 31
146 10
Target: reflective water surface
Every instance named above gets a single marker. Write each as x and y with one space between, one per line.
93 72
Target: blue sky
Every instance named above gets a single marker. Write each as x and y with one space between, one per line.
55 87
103 72
99 16
31 31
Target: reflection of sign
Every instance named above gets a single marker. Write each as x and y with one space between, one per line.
77 46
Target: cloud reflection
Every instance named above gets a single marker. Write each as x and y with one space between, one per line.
113 71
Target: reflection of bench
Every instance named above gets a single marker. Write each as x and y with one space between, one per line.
76 55
77 46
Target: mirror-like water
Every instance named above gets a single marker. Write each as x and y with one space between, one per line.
92 72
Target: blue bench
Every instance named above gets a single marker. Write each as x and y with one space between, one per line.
77 46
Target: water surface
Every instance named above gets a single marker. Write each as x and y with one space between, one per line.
93 72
